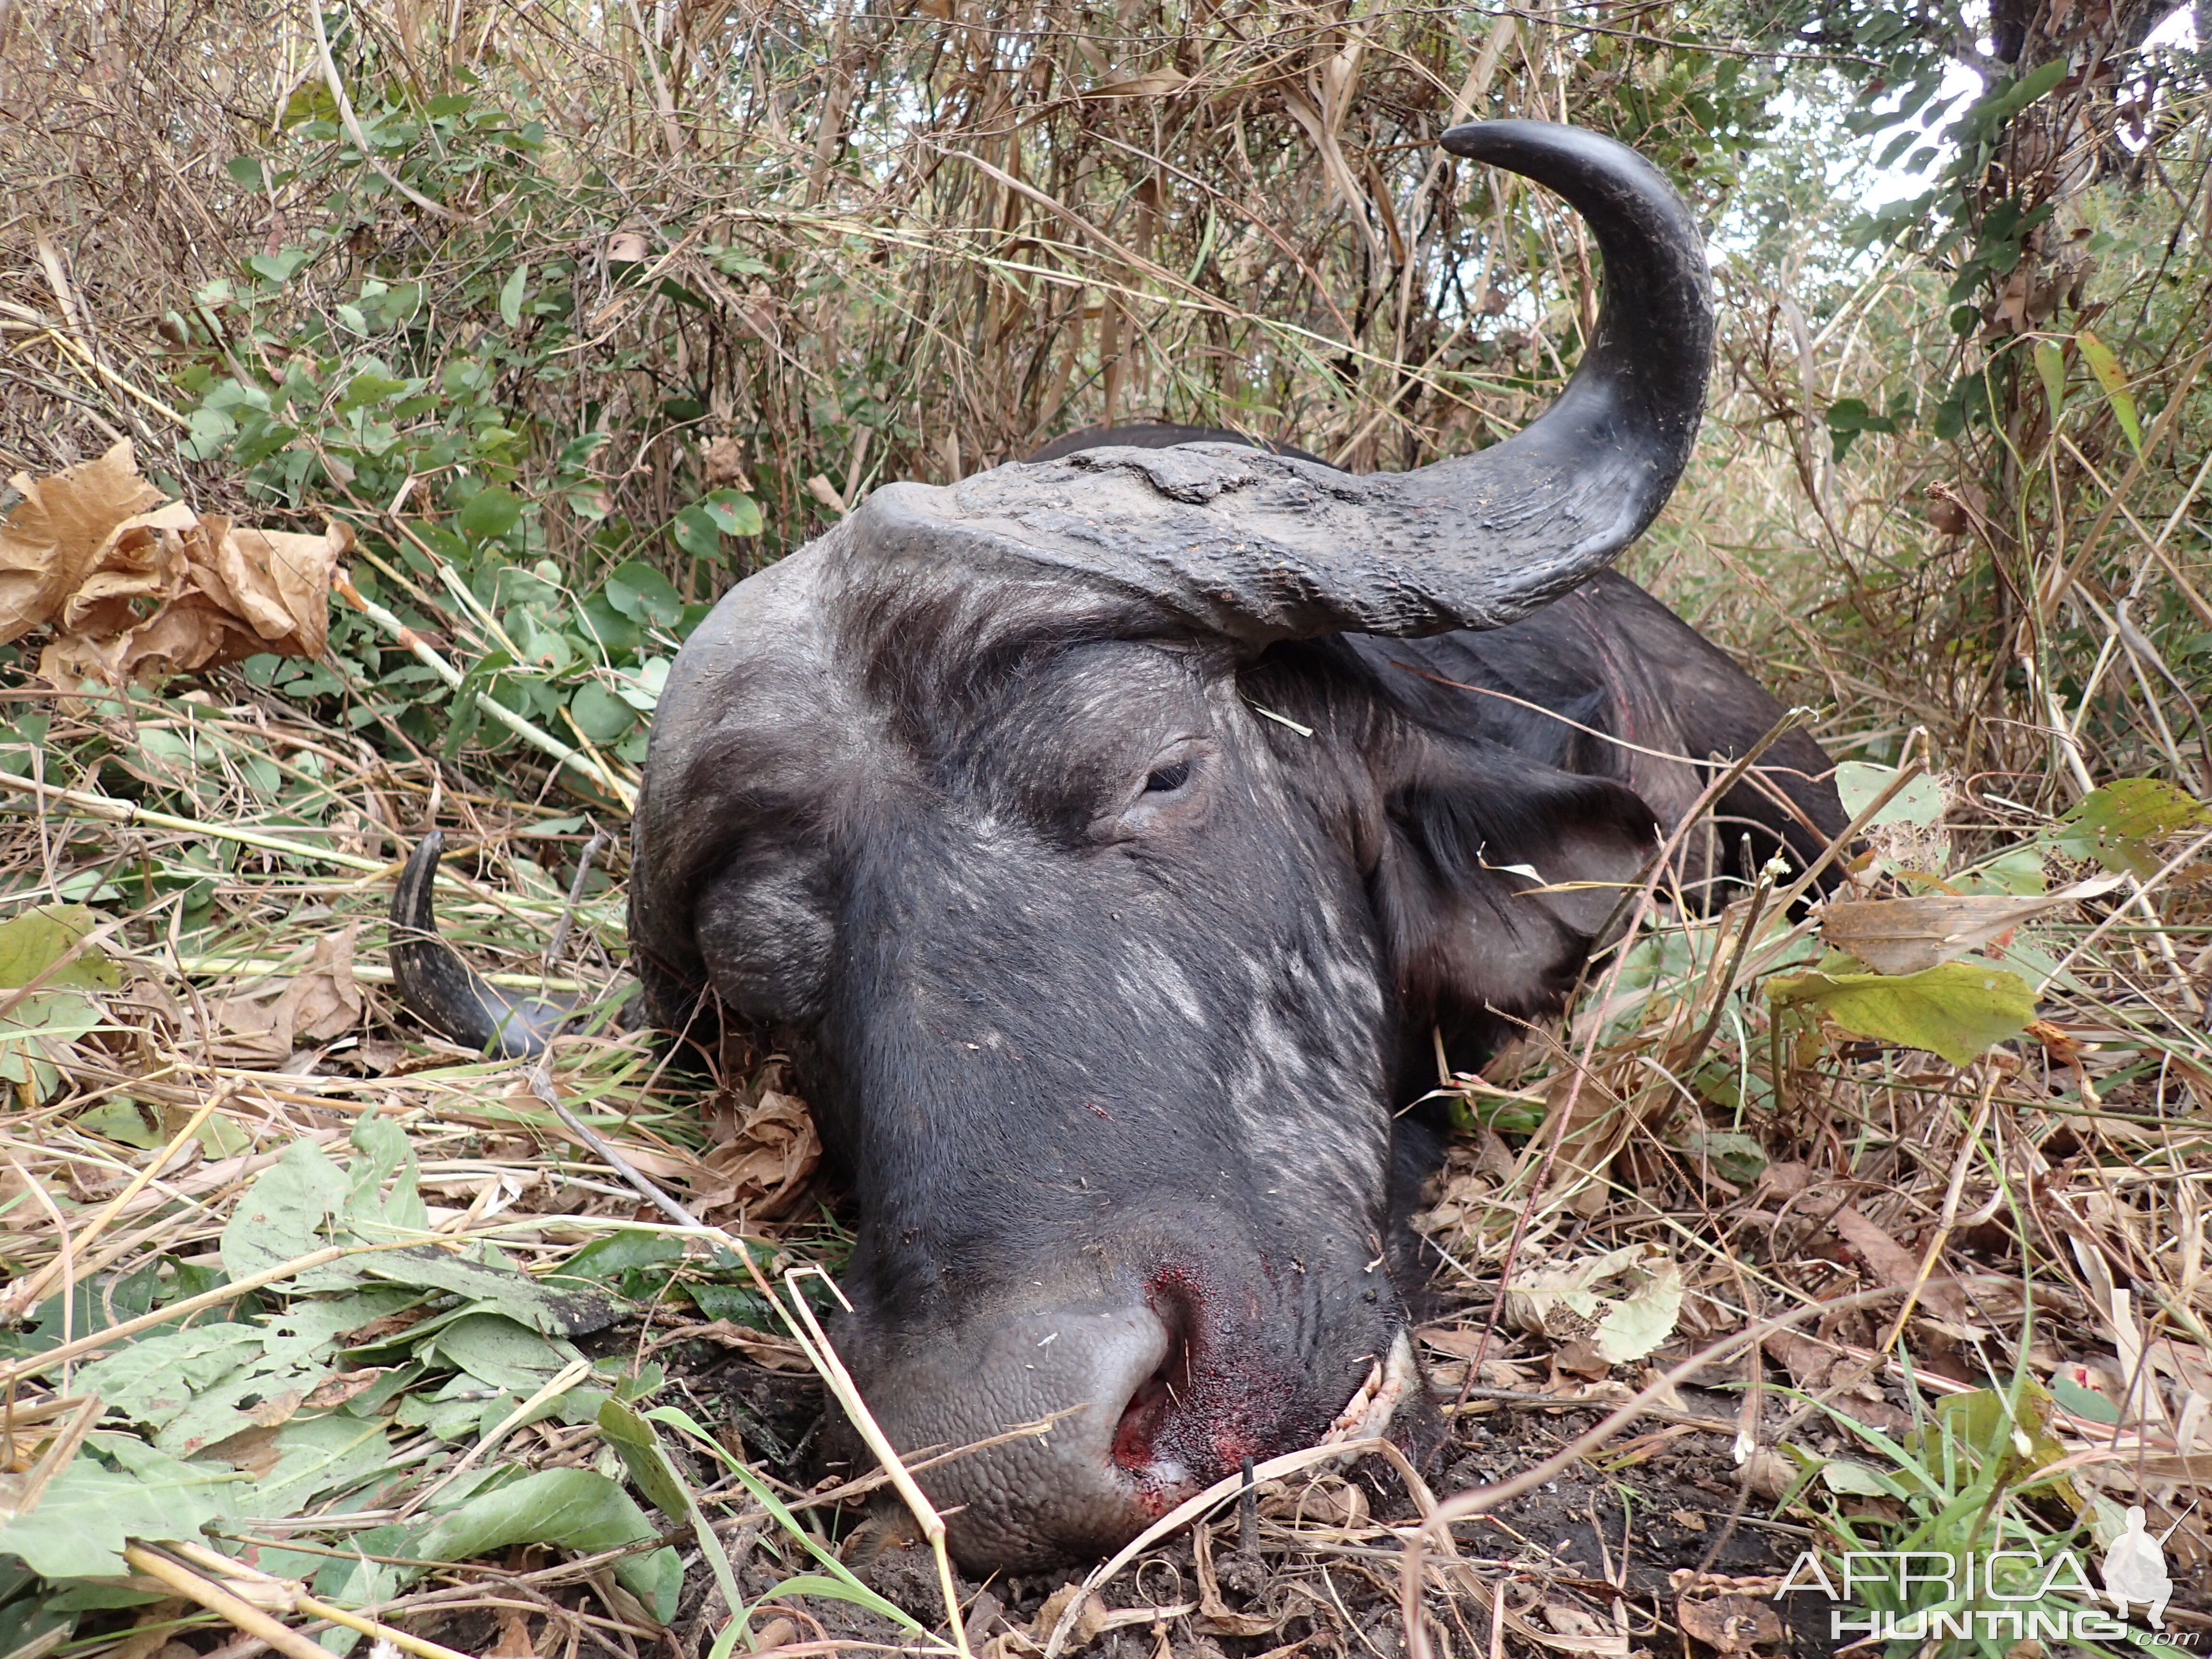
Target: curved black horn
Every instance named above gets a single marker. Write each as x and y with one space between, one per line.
1262 547
443 991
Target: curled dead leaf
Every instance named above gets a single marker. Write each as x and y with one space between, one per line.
321 1002
771 1151
1161 83
1623 1303
134 587
723 463
1909 935
1891 1263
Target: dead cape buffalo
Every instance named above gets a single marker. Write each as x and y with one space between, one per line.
1105 836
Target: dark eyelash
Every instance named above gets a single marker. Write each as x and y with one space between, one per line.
1168 779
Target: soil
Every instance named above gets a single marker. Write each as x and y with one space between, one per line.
1606 1539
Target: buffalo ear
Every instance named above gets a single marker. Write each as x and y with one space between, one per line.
1471 936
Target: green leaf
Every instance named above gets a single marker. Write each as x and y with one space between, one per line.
1920 802
152 1381
2083 1402
734 512
316 1455
639 1449
2050 369
490 513
2106 367
1859 1480
616 1253
510 296
125 1123
602 716
695 533
368 387
35 941
2121 824
1956 1009
87 1512
738 1303
1849 416
1739 1156
494 1349
194 1395
567 1310
643 594
574 1510
247 170
287 1214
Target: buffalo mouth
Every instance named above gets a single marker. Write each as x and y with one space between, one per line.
1367 1414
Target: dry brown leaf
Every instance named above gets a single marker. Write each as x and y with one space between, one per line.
1161 83
1728 1624
1585 1632
137 588
1906 935
1893 1264
1784 1181
1460 1341
723 463
323 1002
254 1450
1215 1616
339 1387
1090 1619
1809 1363
768 1156
53 540
514 1640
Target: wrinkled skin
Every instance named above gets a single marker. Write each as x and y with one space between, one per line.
1108 988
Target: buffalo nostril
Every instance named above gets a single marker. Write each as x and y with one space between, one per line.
1154 1403
1138 1432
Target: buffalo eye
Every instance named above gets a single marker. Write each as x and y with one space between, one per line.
1166 780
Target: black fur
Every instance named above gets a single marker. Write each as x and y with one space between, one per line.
1081 1042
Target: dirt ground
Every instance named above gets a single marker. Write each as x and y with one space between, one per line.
1608 1545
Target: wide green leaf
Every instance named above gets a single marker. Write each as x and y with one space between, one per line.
287 1214
1956 1009
35 941
87 1512
496 1350
316 1455
734 512
574 1510
1920 802
600 716
567 1310
697 534
491 512
639 1449
2122 824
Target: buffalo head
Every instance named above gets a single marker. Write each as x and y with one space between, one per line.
1067 827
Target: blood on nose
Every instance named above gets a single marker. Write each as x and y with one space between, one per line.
1151 1442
